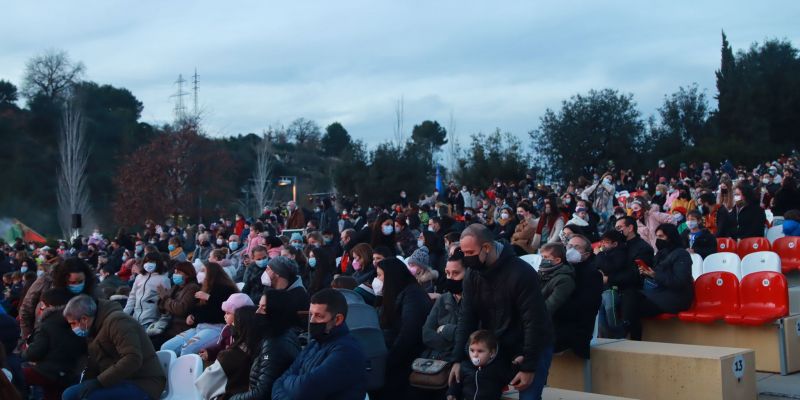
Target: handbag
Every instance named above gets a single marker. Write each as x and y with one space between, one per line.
211 383
429 374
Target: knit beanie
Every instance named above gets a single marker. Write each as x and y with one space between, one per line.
284 267
420 257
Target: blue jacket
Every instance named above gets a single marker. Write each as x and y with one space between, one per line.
326 369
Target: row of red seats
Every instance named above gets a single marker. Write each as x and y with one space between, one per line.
788 248
761 297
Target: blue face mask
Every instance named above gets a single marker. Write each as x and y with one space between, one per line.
171 247
77 288
233 245
262 263
39 273
23 269
139 248
80 332
312 262
177 279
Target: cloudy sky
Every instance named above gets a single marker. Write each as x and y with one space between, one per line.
488 64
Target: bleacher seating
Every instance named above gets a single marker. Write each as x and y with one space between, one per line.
723 261
716 295
764 297
166 358
752 245
697 266
788 248
761 261
774 234
726 245
182 374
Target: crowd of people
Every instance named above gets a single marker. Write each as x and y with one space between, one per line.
462 315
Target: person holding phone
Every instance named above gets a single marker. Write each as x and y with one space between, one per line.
668 283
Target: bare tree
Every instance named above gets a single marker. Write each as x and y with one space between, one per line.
73 189
305 132
453 147
399 134
51 74
262 175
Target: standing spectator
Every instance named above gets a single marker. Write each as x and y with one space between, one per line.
517 314
574 322
122 362
296 218
601 196
648 220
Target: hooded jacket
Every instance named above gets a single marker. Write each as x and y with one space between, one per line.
143 301
178 303
120 350
55 349
445 313
506 299
557 287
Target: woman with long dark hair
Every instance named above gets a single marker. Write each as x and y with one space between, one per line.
668 284
323 268
404 307
383 233
207 318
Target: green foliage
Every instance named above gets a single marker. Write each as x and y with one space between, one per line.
587 131
429 134
498 155
335 140
8 94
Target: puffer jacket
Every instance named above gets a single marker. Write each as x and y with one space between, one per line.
675 290
446 312
120 350
506 299
327 369
557 287
54 349
179 303
274 358
143 301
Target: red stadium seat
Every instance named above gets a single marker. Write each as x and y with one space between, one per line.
726 245
764 297
716 294
752 245
788 247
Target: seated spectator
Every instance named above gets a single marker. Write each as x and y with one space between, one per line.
281 274
404 306
142 302
207 318
121 295
575 320
505 224
748 217
234 257
344 282
525 230
274 343
483 378
668 287
220 256
176 252
570 230
557 277
420 268
253 284
363 269
53 349
620 279
323 267
679 218
406 239
714 215
109 280
225 339
684 200
178 301
365 288
122 362
247 335
274 246
648 220
327 367
787 197
298 256
548 226
697 239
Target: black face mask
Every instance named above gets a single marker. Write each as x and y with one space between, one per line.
474 262
318 330
453 286
661 244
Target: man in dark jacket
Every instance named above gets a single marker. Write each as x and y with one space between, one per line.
283 275
502 294
638 249
333 365
122 362
54 349
574 322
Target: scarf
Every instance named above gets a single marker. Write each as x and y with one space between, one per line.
546 220
545 273
176 252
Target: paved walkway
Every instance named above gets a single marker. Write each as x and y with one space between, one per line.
775 386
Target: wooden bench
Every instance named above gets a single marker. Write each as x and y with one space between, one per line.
777 345
649 370
562 394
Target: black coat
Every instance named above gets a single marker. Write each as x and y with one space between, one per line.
615 264
486 383
506 299
726 223
749 220
55 349
639 249
785 200
704 244
274 358
675 290
211 312
574 321
403 335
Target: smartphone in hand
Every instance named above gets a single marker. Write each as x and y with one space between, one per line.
642 265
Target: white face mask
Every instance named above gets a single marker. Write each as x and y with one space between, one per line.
220 242
377 287
737 198
573 256
265 280
201 277
504 216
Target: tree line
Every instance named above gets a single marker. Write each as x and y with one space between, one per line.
136 170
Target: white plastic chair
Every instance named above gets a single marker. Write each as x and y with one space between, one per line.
240 285
533 259
166 358
774 233
184 371
697 266
761 261
728 262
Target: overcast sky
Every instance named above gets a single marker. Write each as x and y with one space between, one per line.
489 64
